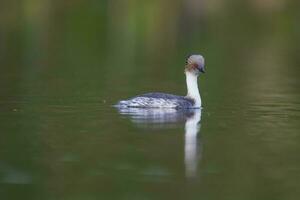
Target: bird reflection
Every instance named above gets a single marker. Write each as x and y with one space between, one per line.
192 127
165 118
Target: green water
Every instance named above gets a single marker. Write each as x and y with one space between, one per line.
64 64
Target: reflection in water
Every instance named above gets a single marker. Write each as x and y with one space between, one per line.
163 118
10 174
192 127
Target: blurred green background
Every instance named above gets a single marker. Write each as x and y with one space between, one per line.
64 63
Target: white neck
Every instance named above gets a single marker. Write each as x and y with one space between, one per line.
192 88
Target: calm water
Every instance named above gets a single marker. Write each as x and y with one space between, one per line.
64 66
82 148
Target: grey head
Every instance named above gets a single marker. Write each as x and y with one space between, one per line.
195 63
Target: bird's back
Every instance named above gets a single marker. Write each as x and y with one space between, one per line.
157 100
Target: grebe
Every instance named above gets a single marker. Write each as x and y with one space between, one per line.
194 66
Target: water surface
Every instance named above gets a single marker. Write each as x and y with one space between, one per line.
64 65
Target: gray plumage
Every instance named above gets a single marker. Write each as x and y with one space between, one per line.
157 100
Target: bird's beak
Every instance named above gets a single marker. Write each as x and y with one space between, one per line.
202 70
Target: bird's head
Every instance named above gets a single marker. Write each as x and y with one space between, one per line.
195 64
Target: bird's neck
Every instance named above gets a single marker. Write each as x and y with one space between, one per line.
192 88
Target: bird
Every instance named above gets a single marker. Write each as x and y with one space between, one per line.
193 68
